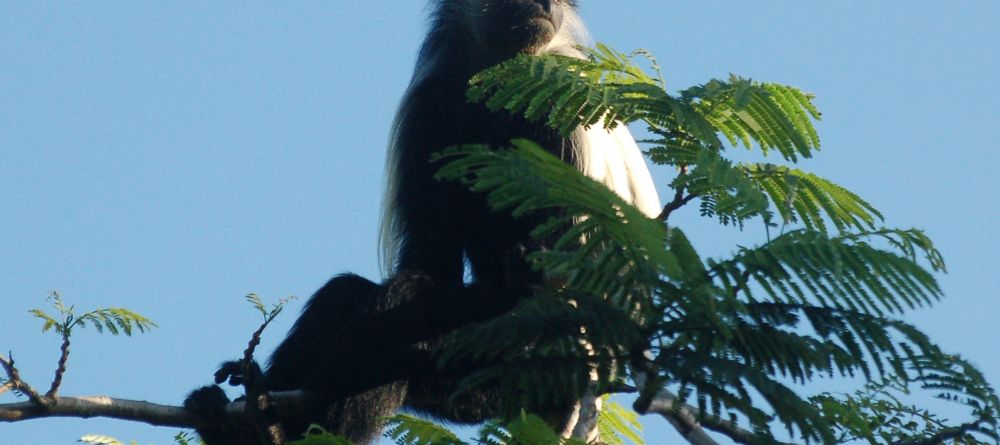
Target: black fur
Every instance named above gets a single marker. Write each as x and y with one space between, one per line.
432 226
363 350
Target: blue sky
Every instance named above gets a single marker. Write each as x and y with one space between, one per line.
173 157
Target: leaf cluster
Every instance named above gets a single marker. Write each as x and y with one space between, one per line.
524 429
617 424
732 334
115 320
877 414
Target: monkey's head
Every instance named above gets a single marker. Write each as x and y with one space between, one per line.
510 27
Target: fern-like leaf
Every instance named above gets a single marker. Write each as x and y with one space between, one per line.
803 197
616 424
115 320
409 430
841 272
776 117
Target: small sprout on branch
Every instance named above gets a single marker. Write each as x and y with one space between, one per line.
269 316
115 319
272 313
186 438
249 372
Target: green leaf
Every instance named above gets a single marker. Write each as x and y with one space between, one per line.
410 430
803 197
615 424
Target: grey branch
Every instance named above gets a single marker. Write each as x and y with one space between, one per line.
15 383
683 417
131 410
99 406
582 424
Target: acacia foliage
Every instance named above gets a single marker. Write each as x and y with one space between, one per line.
735 336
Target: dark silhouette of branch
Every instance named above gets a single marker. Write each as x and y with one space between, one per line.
679 200
53 391
945 435
262 411
14 382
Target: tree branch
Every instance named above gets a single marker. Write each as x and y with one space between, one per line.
263 411
288 403
53 391
689 422
742 283
945 435
14 382
679 200
99 406
583 424
684 418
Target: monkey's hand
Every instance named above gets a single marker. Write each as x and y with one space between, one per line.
208 403
234 372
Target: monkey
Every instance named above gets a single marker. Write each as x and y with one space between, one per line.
433 226
363 350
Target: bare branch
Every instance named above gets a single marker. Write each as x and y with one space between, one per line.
60 367
689 422
99 406
290 403
15 382
263 411
683 417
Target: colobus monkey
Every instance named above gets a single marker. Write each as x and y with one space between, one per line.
361 349
431 226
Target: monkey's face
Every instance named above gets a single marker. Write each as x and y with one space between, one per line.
509 27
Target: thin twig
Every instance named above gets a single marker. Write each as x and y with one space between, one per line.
677 203
261 411
944 435
679 199
741 284
60 367
15 383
